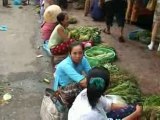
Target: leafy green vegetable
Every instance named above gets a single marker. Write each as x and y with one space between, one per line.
100 54
86 33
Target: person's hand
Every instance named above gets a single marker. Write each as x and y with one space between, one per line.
138 110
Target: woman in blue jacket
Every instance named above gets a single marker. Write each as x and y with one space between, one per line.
72 69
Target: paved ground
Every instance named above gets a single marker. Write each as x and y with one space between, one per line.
20 67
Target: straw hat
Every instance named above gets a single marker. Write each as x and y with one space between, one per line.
50 14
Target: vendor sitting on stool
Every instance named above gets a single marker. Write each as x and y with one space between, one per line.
59 40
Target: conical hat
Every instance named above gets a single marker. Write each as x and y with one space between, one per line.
50 14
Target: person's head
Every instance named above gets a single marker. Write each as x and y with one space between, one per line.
63 18
51 12
98 79
76 51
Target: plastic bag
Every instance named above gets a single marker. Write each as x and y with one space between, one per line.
117 99
49 111
17 2
46 48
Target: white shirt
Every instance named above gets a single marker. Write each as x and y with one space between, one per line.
81 109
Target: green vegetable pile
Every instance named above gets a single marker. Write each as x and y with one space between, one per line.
85 34
125 85
72 20
127 90
99 55
151 100
151 107
111 68
142 36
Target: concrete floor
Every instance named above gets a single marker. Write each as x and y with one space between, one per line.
19 65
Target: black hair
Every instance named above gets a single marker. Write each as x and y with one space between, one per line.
61 17
72 45
98 80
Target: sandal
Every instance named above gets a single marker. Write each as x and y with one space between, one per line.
106 32
121 39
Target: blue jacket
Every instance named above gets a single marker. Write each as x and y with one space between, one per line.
67 72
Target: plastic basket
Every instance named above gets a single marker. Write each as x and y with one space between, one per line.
100 55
